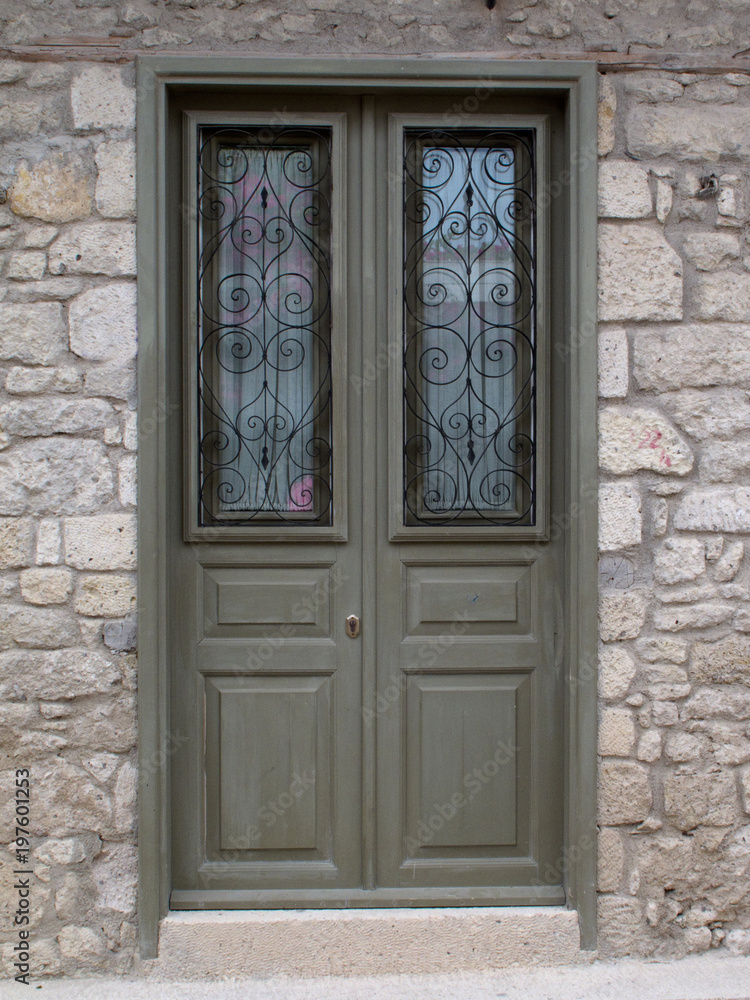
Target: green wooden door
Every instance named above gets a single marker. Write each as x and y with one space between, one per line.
372 429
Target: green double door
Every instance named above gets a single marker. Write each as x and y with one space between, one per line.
367 672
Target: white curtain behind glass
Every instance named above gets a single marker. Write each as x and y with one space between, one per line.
266 282
467 388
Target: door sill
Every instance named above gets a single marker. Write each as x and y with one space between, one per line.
272 899
360 942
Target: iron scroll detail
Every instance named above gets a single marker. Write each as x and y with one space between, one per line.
469 357
264 325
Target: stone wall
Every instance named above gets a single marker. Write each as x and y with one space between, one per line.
67 502
674 343
674 310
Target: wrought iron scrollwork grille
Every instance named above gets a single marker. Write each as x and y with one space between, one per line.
469 327
264 354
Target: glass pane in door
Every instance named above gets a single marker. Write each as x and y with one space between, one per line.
264 355
469 327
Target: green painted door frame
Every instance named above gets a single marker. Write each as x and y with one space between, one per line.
573 287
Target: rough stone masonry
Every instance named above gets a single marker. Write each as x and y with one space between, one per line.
674 343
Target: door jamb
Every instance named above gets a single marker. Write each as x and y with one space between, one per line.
577 82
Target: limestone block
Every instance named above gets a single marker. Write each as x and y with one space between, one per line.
73 897
34 333
710 251
664 713
728 566
722 461
103 323
98 543
95 248
631 439
82 945
620 926
688 133
620 520
16 540
726 510
36 628
613 363
729 748
55 475
722 295
728 703
35 235
115 186
107 596
31 381
107 726
737 941
610 860
46 586
624 191
65 850
660 517
650 89
55 674
719 413
649 746
745 794
115 873
20 117
127 478
724 662
11 71
606 115
621 614
712 91
27 265
56 190
102 99
101 766
693 799
616 732
130 431
48 542
671 691
50 415
126 792
674 619
117 381
718 354
616 672
664 198
624 793
662 648
640 275
682 747
679 559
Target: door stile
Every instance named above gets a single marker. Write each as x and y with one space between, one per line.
368 380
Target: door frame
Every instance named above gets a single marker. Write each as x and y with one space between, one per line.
575 82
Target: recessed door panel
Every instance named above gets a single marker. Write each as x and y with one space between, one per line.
270 756
262 600
462 763
460 600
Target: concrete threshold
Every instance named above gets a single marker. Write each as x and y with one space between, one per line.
365 942
713 976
